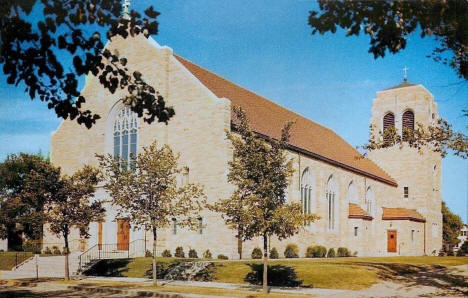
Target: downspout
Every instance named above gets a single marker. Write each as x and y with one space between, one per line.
425 238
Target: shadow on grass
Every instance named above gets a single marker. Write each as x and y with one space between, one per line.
26 293
109 268
433 276
278 275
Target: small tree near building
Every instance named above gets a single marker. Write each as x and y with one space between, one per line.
70 207
451 227
260 171
147 193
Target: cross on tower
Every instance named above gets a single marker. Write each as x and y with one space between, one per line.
126 9
405 77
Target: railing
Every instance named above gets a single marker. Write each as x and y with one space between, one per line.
136 248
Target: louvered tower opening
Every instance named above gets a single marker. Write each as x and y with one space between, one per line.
408 120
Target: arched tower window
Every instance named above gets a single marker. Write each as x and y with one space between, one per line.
388 120
125 134
408 120
331 203
306 192
370 201
352 193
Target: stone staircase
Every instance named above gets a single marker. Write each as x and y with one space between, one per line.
50 266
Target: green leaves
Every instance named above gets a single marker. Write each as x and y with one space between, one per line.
389 24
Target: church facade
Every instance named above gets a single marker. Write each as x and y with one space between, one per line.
387 204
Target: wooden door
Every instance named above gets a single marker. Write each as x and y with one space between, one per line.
100 235
123 234
391 241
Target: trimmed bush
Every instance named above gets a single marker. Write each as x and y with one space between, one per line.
316 251
222 257
47 251
355 254
274 253
207 254
148 254
256 253
179 252
343 252
331 253
192 254
291 251
56 250
166 254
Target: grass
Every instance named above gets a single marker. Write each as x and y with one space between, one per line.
10 259
335 273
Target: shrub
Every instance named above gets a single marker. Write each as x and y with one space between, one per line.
32 246
278 275
56 250
331 253
192 254
256 253
274 253
464 248
47 251
222 257
343 252
166 253
355 254
179 252
291 251
317 251
207 254
148 254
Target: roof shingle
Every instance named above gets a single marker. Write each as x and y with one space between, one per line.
401 214
307 137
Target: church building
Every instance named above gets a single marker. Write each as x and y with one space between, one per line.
388 204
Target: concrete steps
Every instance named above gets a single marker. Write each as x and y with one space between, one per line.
53 266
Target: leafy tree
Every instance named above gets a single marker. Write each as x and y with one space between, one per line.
260 172
440 138
147 191
70 207
389 23
451 226
36 53
26 184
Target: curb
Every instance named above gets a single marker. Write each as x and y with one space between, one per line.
128 292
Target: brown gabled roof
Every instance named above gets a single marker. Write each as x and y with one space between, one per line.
401 214
268 118
355 211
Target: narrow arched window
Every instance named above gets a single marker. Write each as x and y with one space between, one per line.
388 120
126 134
352 193
370 201
306 192
331 203
408 120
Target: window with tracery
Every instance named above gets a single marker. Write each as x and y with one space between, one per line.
126 134
306 192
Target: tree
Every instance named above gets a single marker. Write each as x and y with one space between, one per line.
260 171
389 23
147 193
451 226
70 207
26 185
440 138
38 53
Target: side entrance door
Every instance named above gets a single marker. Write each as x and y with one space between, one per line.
123 234
391 241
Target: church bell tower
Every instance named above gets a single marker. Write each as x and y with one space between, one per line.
417 172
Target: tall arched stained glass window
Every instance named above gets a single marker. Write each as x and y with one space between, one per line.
306 192
126 134
331 197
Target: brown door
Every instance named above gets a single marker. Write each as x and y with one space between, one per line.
100 235
123 234
391 241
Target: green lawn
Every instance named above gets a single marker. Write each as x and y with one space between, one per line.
8 259
336 273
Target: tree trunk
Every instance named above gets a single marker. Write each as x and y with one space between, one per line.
239 245
155 280
67 271
265 264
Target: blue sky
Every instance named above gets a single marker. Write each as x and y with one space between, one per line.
267 47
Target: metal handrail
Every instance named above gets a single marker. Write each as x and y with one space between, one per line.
112 251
